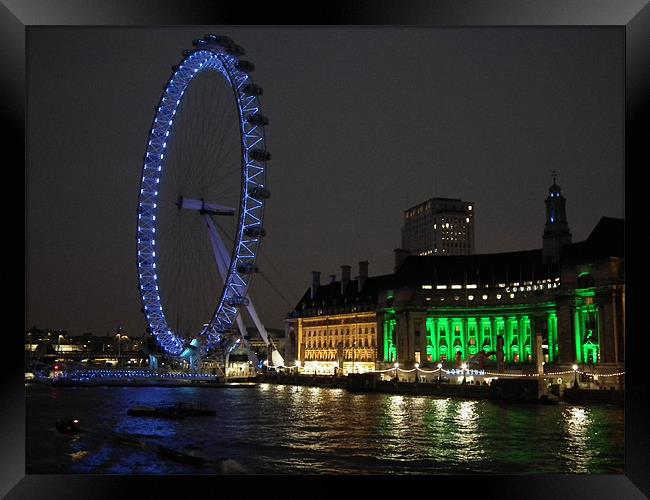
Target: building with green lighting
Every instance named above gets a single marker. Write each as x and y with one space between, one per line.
453 308
486 309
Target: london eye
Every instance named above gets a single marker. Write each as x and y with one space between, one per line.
201 202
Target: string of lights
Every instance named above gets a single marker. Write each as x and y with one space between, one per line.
467 371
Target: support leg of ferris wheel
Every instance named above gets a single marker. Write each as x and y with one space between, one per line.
220 256
223 261
192 353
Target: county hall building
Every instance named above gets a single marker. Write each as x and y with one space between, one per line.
474 308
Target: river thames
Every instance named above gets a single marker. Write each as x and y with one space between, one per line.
281 429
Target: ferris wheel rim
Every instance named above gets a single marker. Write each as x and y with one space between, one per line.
253 192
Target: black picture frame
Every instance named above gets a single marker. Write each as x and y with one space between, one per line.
633 18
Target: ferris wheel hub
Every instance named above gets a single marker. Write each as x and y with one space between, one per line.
204 207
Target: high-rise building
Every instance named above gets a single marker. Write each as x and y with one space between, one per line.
439 226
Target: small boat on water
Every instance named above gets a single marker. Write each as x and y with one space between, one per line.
193 410
128 440
179 410
151 411
69 426
178 456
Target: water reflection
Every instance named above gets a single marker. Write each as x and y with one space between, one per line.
466 432
577 424
441 407
397 414
289 429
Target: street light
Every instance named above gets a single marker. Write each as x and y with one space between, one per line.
439 372
575 376
464 367
119 345
417 365
396 365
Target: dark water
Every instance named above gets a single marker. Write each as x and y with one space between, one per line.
284 429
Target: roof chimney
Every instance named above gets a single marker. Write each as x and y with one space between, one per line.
315 283
400 255
363 274
345 277
332 278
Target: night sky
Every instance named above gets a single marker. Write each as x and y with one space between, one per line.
364 123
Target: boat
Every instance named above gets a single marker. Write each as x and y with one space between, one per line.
69 426
178 456
128 440
193 410
155 412
178 410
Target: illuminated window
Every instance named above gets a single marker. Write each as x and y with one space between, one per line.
469 207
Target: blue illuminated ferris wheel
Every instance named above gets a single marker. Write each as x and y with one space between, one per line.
201 201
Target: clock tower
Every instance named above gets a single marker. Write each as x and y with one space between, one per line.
556 229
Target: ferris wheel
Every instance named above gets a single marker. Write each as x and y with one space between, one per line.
201 203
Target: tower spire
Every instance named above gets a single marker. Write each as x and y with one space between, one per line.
556 229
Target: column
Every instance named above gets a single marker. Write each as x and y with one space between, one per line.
493 333
444 323
411 346
606 334
551 336
507 347
379 336
464 335
565 337
402 332
521 328
577 319
432 331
